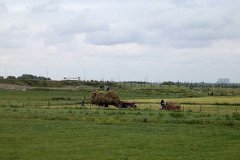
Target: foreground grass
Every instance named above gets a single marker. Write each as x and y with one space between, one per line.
36 126
39 134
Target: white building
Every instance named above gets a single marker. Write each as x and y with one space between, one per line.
72 78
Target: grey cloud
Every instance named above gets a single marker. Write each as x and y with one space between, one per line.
180 41
3 8
112 37
69 28
193 28
189 43
171 25
52 38
193 4
187 3
50 6
181 27
80 25
187 23
13 37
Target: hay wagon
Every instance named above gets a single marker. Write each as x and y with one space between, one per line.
105 98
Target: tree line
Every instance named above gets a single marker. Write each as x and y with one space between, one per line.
26 77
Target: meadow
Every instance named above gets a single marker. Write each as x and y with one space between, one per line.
42 124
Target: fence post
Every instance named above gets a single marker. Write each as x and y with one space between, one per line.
183 108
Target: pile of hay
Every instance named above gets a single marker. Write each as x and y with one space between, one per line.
105 98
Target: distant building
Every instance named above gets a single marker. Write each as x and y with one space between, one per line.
223 81
72 78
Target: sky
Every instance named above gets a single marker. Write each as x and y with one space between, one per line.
127 40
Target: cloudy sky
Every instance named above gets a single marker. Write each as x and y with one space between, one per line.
154 40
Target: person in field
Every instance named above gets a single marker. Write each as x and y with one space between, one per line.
163 104
83 102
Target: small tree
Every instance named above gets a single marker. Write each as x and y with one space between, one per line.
11 78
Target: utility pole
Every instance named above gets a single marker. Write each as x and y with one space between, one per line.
47 71
5 71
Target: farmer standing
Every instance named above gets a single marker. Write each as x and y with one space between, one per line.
162 103
83 102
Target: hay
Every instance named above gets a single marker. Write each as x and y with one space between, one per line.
105 98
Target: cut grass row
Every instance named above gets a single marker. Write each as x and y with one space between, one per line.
113 116
227 100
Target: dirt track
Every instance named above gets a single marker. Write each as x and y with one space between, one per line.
18 87
14 87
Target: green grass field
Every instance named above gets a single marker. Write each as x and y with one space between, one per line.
30 133
49 124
